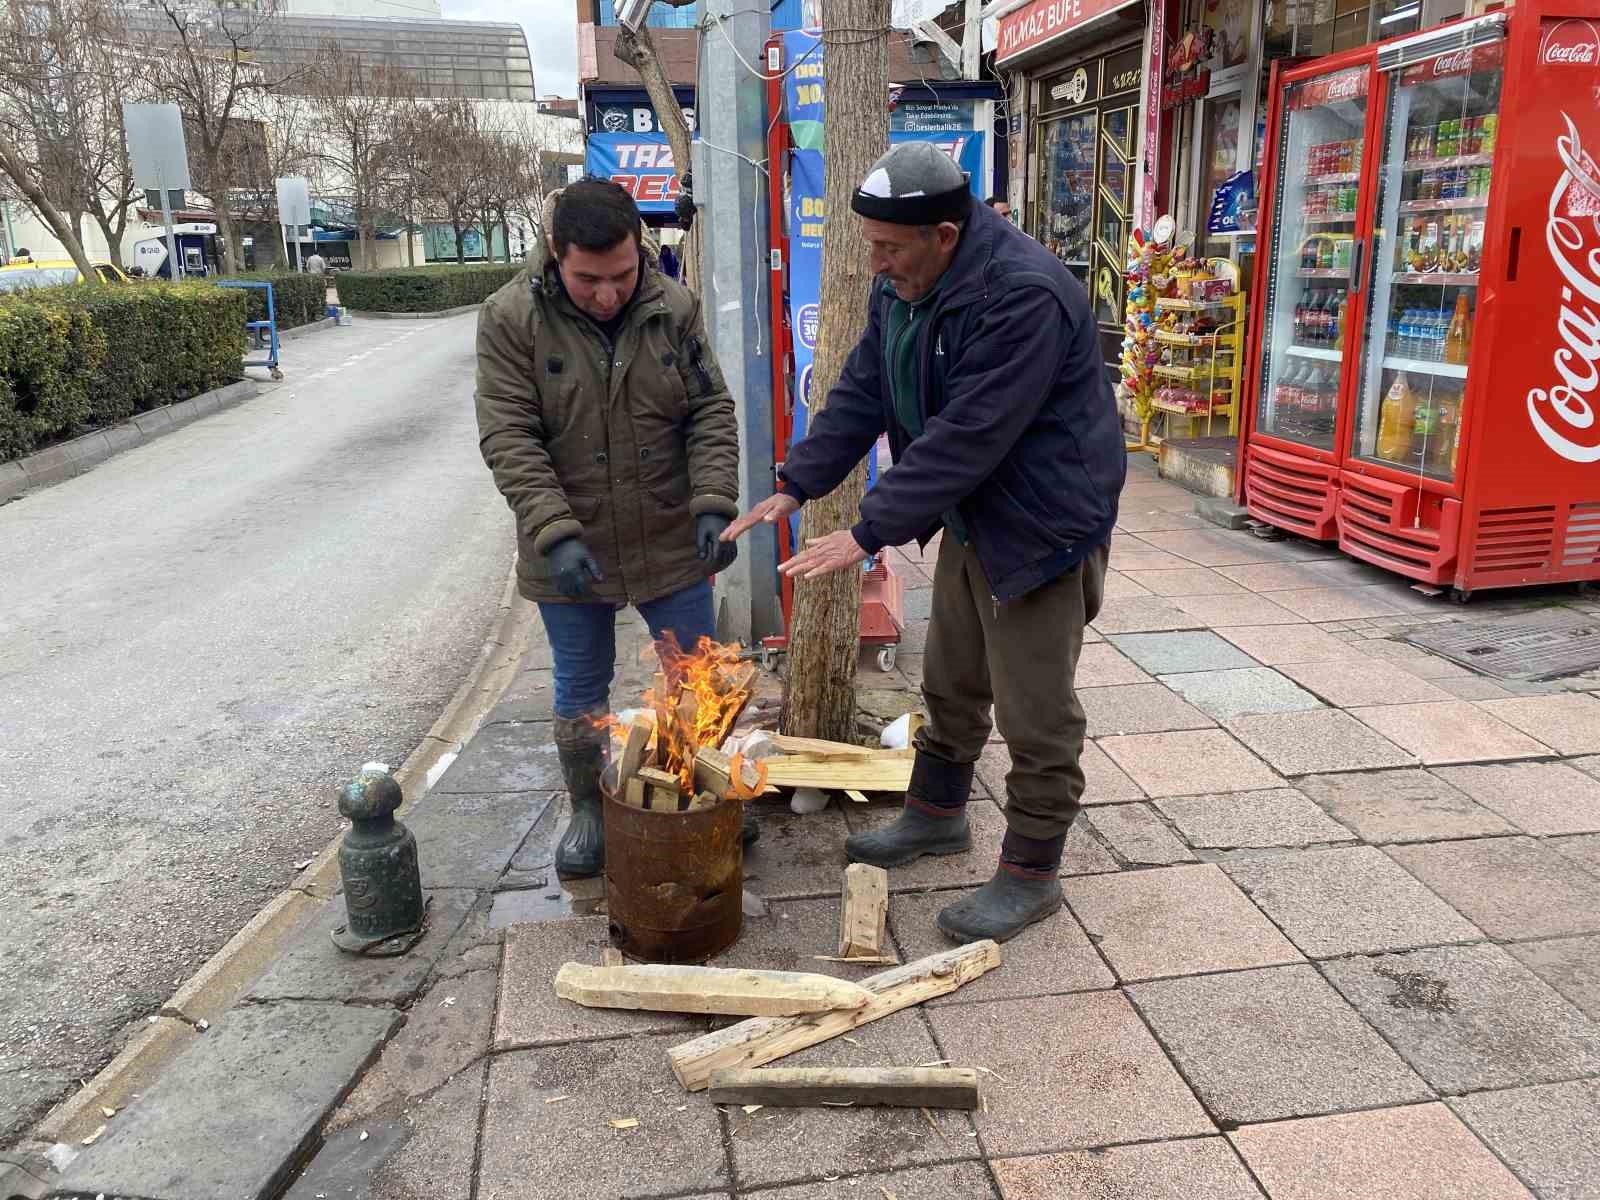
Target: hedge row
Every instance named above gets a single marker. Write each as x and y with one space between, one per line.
78 358
299 299
421 289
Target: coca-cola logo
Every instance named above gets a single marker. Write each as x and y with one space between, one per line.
1563 415
1570 43
1458 63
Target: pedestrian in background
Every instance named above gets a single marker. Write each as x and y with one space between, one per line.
316 264
612 436
982 361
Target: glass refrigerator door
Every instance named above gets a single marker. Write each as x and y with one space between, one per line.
1313 251
1438 144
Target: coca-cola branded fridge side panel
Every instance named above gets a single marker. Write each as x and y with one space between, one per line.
1531 441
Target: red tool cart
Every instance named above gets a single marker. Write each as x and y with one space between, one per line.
1424 359
882 591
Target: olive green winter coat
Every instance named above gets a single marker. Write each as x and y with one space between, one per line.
622 445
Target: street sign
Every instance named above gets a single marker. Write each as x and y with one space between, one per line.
160 162
294 200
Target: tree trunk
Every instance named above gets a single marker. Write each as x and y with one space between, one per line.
819 696
639 52
411 238
15 169
461 251
227 264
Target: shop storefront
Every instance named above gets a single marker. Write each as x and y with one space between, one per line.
1075 71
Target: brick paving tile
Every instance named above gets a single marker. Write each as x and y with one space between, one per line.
1422 1152
787 1145
1349 683
1275 1043
1050 957
527 1143
1174 921
531 1014
1193 1169
1209 548
1277 645
1347 572
1138 708
1186 763
1105 666
1070 1072
1143 518
1348 901
1281 817
1401 806
1137 834
796 855
1539 798
1472 688
1512 888
1583 849
1221 612
1451 731
1147 558
1326 739
1084 854
973 867
1276 577
1546 1134
1104 783
1470 1017
949 1181
1141 614
1337 604
1570 965
1119 585
1186 581
1172 653
1238 693
1568 723
1415 660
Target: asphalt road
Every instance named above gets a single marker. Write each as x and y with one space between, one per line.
200 640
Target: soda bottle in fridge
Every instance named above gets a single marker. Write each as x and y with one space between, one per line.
1458 338
1395 419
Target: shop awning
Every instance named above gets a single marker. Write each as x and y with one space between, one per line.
1025 30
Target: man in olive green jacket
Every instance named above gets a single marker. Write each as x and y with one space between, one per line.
610 432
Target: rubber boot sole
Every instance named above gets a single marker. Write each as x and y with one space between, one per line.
939 851
1033 920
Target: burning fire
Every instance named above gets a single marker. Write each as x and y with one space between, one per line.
697 697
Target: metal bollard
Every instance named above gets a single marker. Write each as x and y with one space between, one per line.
385 911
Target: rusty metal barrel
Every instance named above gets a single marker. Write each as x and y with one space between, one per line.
674 881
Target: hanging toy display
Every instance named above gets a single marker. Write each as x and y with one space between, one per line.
1148 274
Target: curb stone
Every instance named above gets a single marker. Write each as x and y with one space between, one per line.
310 327
421 316
56 463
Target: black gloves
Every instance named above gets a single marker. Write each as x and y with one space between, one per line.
572 566
717 555
683 208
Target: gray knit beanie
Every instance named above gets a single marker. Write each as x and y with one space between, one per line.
914 184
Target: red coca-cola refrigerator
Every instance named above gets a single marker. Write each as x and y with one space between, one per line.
1424 352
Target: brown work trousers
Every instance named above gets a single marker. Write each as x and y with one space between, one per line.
1021 656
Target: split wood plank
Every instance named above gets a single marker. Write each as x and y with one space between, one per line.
858 797
886 772
863 911
634 747
717 773
703 801
635 794
661 987
661 789
817 747
899 1087
757 1042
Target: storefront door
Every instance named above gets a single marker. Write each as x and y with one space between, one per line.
1083 188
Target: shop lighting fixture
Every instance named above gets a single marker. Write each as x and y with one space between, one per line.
1401 14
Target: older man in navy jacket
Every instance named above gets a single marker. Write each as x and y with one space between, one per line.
981 359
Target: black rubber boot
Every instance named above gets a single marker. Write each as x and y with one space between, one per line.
751 833
934 820
1001 908
582 746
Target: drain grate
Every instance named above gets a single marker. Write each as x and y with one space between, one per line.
1559 642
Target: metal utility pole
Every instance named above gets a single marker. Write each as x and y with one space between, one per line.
731 191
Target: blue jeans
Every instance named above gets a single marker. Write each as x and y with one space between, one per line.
583 641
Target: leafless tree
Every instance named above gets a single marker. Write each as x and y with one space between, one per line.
279 143
450 143
61 139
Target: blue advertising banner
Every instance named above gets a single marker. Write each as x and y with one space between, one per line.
1233 206
640 162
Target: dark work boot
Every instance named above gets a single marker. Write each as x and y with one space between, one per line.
933 821
1024 890
582 746
751 833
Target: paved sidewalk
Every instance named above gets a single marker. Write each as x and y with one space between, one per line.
1333 930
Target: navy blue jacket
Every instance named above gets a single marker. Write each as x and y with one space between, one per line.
1022 434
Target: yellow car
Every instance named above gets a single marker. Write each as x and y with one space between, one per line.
52 272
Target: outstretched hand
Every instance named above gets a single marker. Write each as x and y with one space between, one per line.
776 507
825 555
